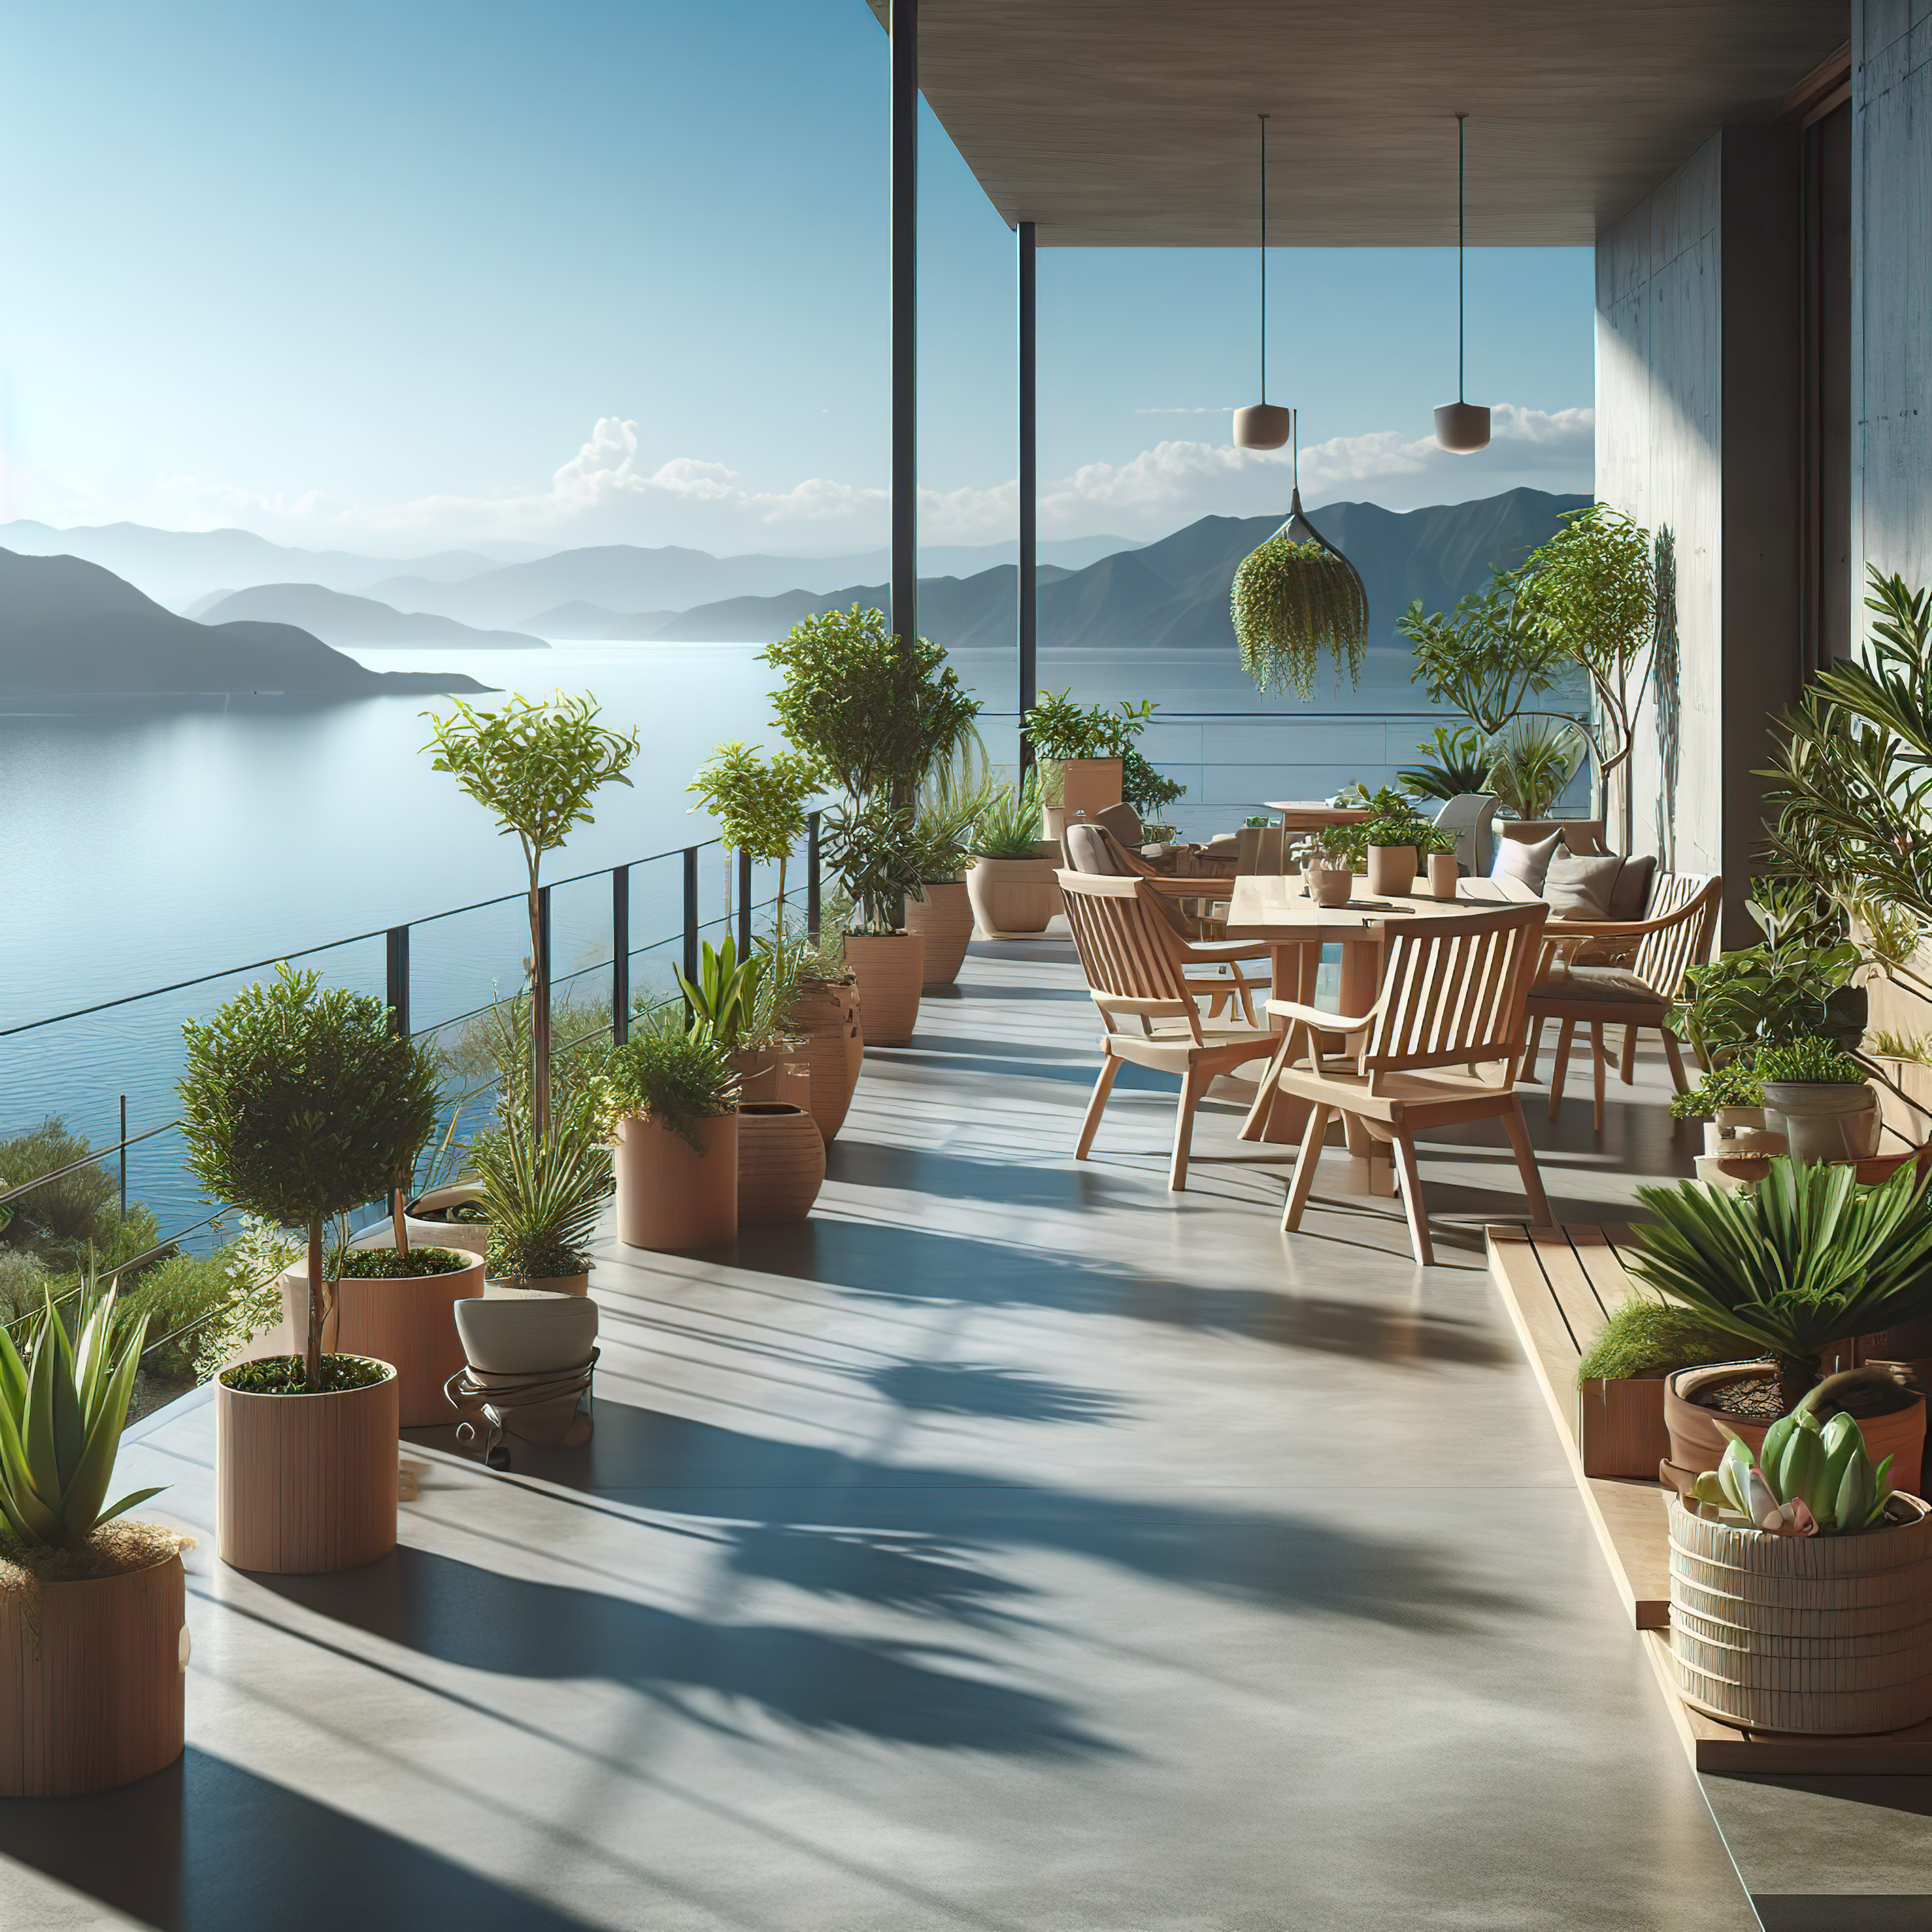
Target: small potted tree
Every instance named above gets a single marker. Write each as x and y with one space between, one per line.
1011 887
668 1101
880 858
1820 1098
299 1104
93 1637
1085 747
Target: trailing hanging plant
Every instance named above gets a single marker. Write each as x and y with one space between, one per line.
1293 600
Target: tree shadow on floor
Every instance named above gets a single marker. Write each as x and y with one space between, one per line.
206 1846
922 1575
981 1389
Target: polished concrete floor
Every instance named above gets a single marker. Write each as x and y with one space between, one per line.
1016 1547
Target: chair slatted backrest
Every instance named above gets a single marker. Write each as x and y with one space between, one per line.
1662 957
1127 950
1455 992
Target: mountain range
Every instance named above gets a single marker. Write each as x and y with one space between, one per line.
336 618
67 626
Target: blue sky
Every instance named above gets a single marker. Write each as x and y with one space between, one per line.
395 278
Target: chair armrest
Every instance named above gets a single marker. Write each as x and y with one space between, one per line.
1313 1017
1616 928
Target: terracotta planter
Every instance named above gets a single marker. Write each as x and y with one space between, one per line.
1012 895
1827 1636
781 1164
825 1016
669 1196
576 1285
1696 1444
943 918
427 1219
1391 870
91 1680
305 1482
1087 786
1332 885
890 969
1824 1119
778 1072
1445 874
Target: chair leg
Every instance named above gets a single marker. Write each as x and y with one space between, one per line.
1257 1120
1518 1131
1560 1072
1193 1085
1535 1046
1305 1163
1675 1058
1242 993
1628 1067
1411 1199
1095 1107
1597 1071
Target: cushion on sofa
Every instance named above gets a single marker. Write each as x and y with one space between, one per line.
1521 859
1630 896
1580 888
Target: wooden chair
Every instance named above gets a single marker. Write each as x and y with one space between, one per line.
1683 910
1439 1046
1134 964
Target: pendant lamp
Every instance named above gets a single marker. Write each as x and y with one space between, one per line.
1296 597
1461 427
1262 425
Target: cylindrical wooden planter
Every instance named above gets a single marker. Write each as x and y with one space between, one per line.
424 1218
943 918
781 1164
1696 1444
91 1680
1820 1635
823 1018
1087 786
305 1482
1012 895
1391 869
1824 1119
670 1196
411 1323
890 969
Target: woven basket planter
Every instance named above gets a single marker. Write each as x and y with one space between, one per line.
943 918
1823 1636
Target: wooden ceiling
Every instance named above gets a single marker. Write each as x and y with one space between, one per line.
1130 123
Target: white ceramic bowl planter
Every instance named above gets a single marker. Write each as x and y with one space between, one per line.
1824 1119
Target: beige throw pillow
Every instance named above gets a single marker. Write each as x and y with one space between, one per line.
1581 888
1519 859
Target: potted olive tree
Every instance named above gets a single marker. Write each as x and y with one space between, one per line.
92 1629
537 767
668 1101
299 1104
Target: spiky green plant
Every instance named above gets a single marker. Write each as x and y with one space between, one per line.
1813 1061
724 995
1008 826
61 1413
1291 602
544 1193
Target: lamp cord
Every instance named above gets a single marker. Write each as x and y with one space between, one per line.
1263 120
1460 119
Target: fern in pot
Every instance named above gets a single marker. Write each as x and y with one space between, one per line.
668 1103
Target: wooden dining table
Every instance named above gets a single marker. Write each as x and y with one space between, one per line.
1275 908
1314 815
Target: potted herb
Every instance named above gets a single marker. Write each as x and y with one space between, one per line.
1394 841
1785 1614
668 1101
299 1104
1085 747
879 856
1620 1380
93 1631
1732 1096
1011 886
543 1198
1806 1259
1820 1098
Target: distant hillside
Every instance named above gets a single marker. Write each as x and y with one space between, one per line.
67 625
338 619
593 623
1174 594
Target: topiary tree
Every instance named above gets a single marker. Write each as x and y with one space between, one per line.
759 803
299 1103
537 767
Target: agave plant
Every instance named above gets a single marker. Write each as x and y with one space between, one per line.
61 1414
1806 1258
1532 760
1809 1478
543 1193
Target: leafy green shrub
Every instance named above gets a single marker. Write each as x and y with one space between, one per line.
880 860
1645 1338
1058 729
664 1074
759 803
1812 1060
66 1223
1735 1085
386 1264
288 1375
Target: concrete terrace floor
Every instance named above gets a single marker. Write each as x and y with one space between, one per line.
1014 1547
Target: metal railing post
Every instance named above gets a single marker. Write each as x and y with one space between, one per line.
620 954
812 879
744 904
124 1157
399 979
691 912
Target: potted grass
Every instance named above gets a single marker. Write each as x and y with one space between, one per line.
1621 1377
543 1197
668 1101
1806 1259
298 1104
1820 1098
879 857
950 803
1011 887
93 1632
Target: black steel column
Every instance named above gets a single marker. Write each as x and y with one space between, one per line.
399 979
812 888
1029 583
691 912
744 904
620 954
905 318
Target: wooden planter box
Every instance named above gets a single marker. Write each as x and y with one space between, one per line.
1620 1429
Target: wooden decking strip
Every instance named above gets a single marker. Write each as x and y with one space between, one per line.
1559 1284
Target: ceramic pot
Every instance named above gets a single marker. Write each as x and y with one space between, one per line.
669 1196
1445 873
427 1218
1824 1119
1333 885
1739 1119
91 1680
1825 1636
781 1164
778 1072
1088 786
1760 1140
826 1019
305 1482
508 1341
1391 870
409 1323
577 1285
943 918
1696 1444
890 968
1012 895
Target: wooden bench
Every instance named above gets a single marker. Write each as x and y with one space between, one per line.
1559 1284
